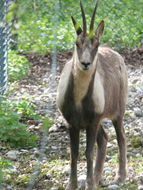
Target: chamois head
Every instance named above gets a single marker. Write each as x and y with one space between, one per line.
87 43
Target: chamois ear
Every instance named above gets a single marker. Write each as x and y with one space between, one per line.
76 26
100 29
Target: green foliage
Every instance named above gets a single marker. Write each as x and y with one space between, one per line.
136 142
12 131
5 165
26 109
18 66
129 186
39 22
46 123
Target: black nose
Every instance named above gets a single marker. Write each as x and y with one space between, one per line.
86 64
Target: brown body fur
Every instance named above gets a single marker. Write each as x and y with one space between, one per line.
112 71
93 86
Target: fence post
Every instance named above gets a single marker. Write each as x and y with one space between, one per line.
3 45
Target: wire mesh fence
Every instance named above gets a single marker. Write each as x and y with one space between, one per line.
4 39
51 90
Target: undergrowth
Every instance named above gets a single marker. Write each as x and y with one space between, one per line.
18 66
13 132
5 165
39 22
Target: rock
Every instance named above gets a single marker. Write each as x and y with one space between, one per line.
113 187
13 169
138 155
54 188
140 187
108 157
36 153
9 187
54 128
12 155
138 112
107 171
48 176
66 170
81 181
135 81
54 147
109 145
24 151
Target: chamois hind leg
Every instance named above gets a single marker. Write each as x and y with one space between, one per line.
121 139
101 154
74 145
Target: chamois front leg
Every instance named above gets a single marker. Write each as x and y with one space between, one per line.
91 133
101 154
121 138
74 145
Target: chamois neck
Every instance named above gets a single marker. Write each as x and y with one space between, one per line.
81 85
80 74
81 81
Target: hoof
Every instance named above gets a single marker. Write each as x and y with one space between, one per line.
71 187
98 180
119 180
90 187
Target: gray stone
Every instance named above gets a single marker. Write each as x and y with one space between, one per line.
24 151
138 112
9 187
81 181
54 188
107 171
140 187
108 157
54 147
36 153
52 129
66 170
12 154
113 187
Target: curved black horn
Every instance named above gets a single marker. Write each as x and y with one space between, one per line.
83 18
93 16
77 28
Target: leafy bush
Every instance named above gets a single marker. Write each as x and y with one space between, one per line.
26 109
18 66
4 165
12 131
39 22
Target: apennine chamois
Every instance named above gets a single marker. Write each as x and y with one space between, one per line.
93 86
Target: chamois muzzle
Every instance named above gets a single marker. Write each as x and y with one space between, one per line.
85 65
